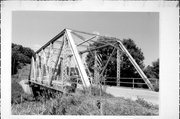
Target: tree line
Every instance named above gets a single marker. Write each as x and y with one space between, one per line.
20 56
127 70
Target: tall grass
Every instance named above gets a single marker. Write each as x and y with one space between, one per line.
81 103
85 104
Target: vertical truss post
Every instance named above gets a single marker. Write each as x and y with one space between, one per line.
80 65
101 75
30 72
47 61
38 69
50 55
61 69
45 69
133 83
41 67
65 62
96 73
43 64
33 70
56 63
58 74
69 66
118 66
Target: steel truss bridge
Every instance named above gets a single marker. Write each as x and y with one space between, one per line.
62 61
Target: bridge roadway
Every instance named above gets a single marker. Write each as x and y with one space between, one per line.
148 95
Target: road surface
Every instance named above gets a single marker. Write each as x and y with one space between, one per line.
149 96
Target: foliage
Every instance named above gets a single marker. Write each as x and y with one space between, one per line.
156 87
153 71
20 56
127 69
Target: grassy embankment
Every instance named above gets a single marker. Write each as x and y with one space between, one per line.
79 104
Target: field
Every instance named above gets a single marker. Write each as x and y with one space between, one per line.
79 104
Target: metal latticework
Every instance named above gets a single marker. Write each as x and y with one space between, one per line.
61 59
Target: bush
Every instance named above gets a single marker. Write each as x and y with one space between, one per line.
156 88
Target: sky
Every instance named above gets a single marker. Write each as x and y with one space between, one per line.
35 28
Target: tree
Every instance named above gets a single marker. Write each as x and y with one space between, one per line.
152 71
127 69
20 57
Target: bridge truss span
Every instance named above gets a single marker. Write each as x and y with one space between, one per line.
62 62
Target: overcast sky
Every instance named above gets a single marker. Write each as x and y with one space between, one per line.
34 29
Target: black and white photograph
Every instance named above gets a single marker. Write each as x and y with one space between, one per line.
92 74
86 62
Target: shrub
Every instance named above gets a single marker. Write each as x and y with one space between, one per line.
156 88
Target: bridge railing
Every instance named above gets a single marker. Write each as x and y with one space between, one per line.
124 82
129 82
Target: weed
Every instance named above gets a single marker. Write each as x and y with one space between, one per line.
146 104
